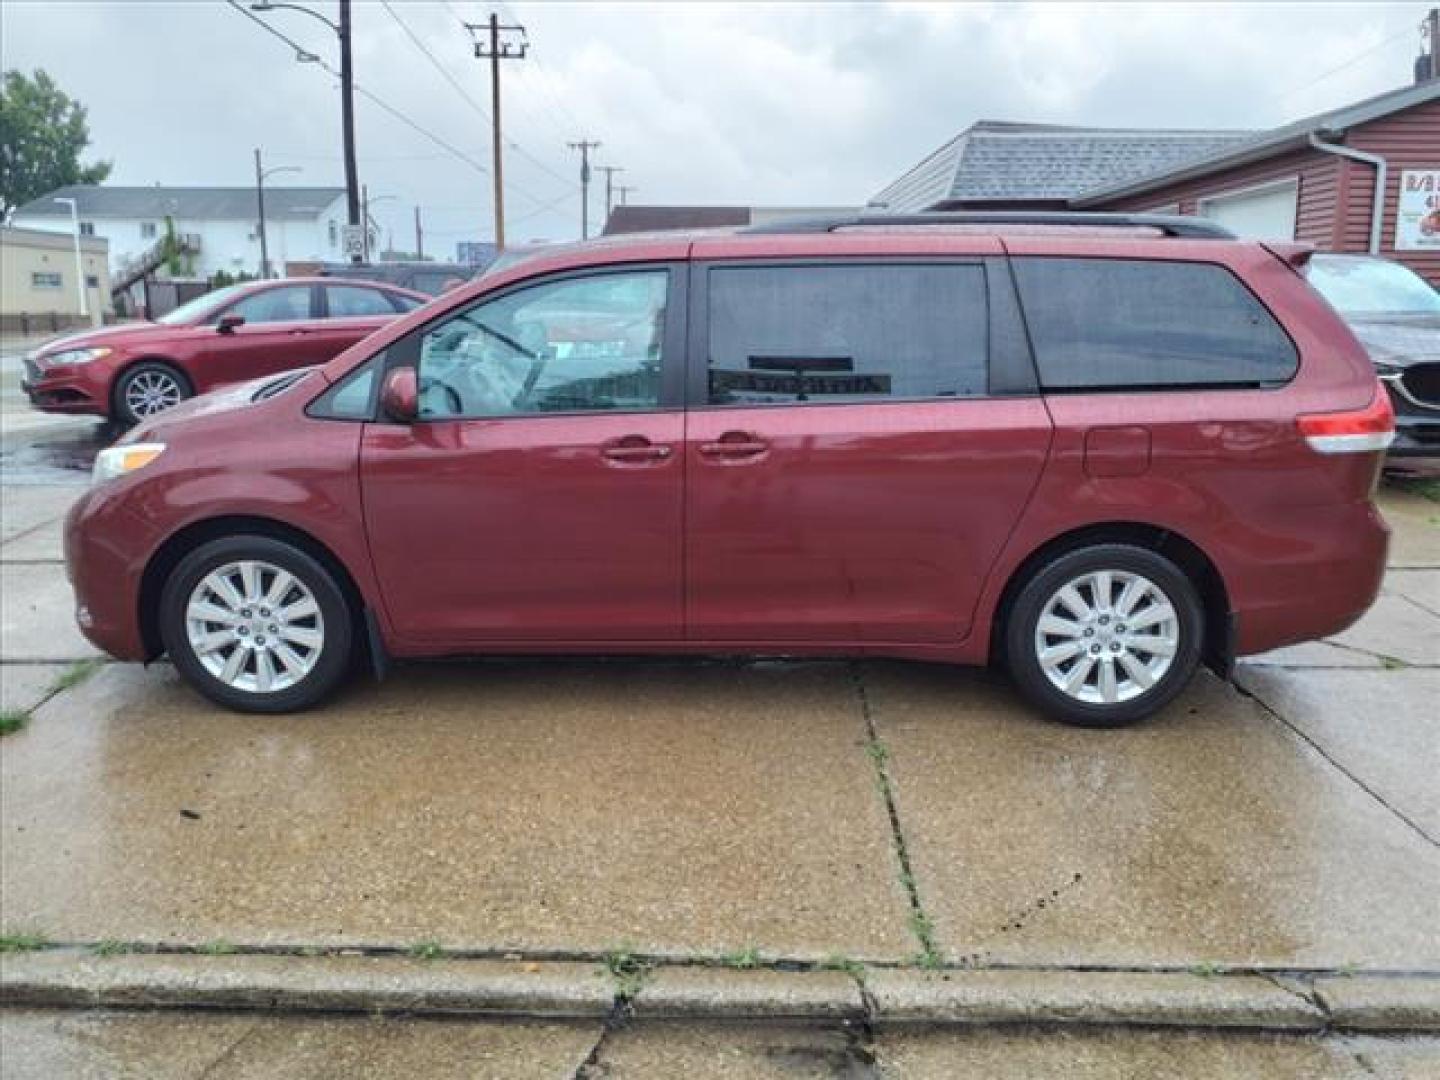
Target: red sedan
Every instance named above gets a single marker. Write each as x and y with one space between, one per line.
135 370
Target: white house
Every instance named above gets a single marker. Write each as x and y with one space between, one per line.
301 223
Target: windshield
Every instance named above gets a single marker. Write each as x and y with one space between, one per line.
1359 286
195 309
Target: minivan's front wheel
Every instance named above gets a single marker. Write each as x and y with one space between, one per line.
1104 636
256 624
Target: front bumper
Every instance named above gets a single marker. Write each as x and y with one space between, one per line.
1417 420
106 549
66 389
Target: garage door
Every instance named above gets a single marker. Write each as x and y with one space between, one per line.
1265 214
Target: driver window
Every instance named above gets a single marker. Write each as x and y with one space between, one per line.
579 345
287 303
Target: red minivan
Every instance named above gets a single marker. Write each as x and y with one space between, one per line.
1096 449
133 371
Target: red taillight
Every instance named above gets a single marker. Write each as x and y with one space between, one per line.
1357 432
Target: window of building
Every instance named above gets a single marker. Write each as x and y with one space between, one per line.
91 281
840 334
590 344
1132 323
87 228
46 279
147 230
334 233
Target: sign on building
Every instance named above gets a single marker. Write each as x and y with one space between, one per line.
1417 220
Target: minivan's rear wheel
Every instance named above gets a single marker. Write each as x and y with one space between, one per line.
256 624
1104 636
147 389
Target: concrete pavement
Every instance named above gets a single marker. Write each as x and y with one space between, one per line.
771 815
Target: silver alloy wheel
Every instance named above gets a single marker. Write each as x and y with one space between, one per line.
255 627
151 392
1107 636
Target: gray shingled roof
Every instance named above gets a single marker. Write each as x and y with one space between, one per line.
996 161
185 203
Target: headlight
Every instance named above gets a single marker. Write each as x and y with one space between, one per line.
74 356
116 461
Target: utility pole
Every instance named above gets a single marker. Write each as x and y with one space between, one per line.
609 171
365 220
584 146
347 120
624 189
495 49
419 238
1432 23
260 206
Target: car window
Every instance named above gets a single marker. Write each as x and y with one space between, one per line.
846 333
587 344
1133 323
285 304
356 302
401 302
353 397
1360 286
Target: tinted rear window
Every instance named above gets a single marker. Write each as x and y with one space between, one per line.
1123 324
839 334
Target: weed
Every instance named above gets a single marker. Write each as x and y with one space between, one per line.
628 971
218 947
75 674
111 947
427 950
22 942
1392 663
1206 968
12 720
836 962
744 959
879 752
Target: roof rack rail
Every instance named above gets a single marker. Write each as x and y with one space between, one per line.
1191 228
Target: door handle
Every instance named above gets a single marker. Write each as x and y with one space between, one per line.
735 444
633 449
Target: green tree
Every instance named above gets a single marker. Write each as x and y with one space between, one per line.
42 135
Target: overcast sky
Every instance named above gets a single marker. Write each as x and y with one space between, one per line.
814 104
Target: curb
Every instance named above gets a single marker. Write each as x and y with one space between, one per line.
68 977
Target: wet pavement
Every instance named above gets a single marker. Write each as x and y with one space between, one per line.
691 809
169 1045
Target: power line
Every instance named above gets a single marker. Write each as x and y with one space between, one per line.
1348 63
380 102
454 82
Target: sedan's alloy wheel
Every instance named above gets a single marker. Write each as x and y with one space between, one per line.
151 392
255 626
1107 636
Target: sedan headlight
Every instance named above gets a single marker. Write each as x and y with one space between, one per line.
116 461
74 356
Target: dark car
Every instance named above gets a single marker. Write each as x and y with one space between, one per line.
1096 451
431 278
134 370
1396 316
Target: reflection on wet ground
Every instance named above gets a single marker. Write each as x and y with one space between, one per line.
64 456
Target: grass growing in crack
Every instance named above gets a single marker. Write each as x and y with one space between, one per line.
10 943
743 959
427 950
111 947
218 947
74 675
836 962
879 753
1207 968
628 971
1392 663
12 720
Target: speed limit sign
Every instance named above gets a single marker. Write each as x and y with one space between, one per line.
353 238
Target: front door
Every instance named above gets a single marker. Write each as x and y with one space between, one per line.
850 475
538 497
279 333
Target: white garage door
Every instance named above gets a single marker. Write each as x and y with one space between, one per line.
1266 213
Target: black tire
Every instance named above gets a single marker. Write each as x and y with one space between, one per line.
336 619
125 411
1021 649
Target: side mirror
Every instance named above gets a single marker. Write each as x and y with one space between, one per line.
228 323
400 396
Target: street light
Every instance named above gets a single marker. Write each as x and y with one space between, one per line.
347 95
79 266
260 175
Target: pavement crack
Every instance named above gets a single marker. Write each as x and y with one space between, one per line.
229 1052
921 924
1304 737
